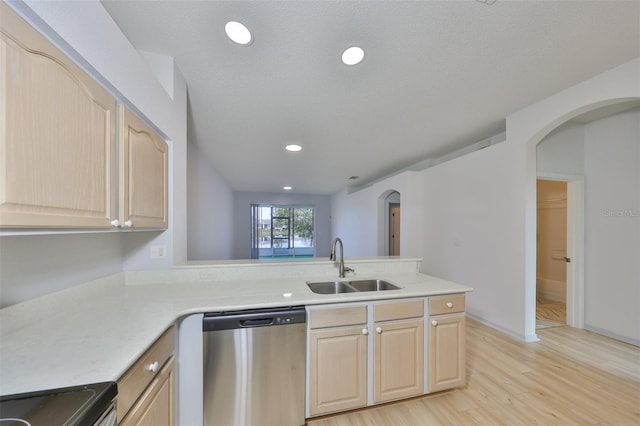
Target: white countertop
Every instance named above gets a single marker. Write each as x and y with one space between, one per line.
96 331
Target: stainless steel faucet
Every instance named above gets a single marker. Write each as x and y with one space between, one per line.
342 269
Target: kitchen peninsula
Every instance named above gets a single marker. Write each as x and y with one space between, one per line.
94 332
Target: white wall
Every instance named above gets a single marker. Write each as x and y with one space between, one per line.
562 151
33 265
358 218
612 219
210 207
478 212
86 32
470 222
242 201
459 217
354 218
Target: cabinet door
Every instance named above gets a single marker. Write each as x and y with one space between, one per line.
398 360
155 406
446 352
57 135
337 369
144 174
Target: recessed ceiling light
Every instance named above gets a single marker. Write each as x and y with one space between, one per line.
293 147
352 55
287 188
238 33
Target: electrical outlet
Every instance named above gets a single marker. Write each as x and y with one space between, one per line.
158 252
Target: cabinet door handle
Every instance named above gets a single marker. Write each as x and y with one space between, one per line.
115 223
378 330
365 331
449 305
434 323
153 367
128 224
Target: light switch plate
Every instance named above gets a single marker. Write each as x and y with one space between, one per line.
158 252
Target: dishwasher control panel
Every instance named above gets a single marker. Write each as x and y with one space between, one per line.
254 318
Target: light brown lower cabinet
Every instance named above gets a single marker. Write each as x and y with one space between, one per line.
369 353
446 352
156 405
146 392
398 360
346 348
337 369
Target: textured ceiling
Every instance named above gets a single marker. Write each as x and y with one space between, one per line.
437 76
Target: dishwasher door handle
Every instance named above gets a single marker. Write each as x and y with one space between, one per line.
256 322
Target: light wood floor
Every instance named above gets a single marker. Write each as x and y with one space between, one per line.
550 313
570 377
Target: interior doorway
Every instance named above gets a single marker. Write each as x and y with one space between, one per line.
391 214
572 198
551 253
394 229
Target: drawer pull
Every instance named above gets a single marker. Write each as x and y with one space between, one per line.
449 305
434 323
153 367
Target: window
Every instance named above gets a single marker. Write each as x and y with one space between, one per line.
282 231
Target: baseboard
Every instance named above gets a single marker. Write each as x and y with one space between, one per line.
524 337
607 333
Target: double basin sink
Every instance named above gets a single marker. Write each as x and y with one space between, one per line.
335 287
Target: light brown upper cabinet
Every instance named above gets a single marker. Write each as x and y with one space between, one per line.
57 136
143 174
58 144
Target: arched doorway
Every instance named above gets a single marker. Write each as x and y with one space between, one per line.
389 223
577 270
393 224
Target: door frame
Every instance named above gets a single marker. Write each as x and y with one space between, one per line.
575 244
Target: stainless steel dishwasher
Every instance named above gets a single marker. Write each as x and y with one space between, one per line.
254 367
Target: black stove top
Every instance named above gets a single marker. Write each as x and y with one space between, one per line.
77 406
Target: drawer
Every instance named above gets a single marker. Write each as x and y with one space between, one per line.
133 383
446 304
337 316
157 401
396 310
